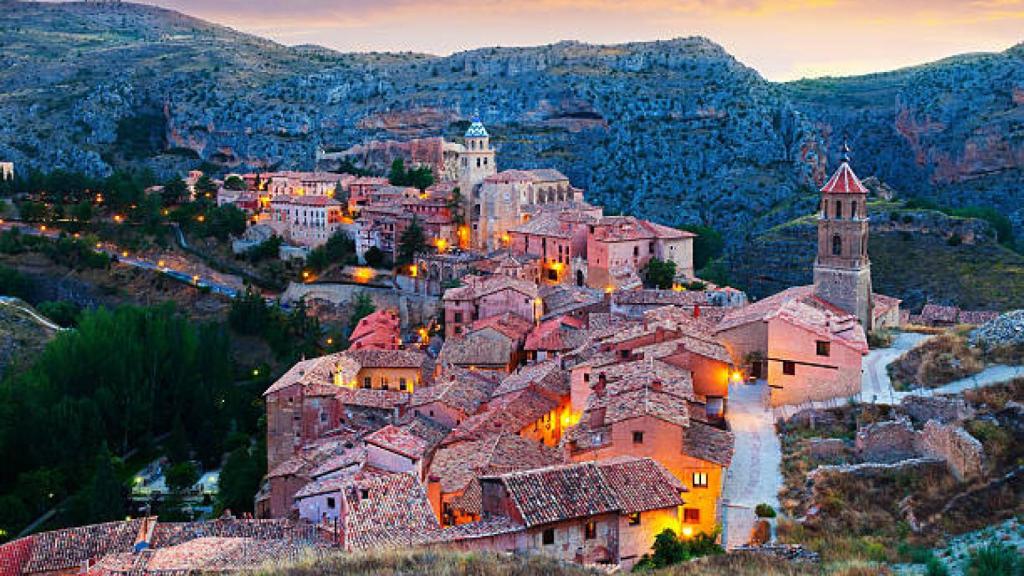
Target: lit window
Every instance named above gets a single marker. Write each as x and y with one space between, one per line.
402 384
634 519
590 531
700 480
691 516
366 382
789 368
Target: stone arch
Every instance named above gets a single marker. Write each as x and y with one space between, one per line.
839 209
580 279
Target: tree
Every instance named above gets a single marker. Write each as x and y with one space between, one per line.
181 477
177 443
105 493
63 312
249 313
234 183
14 283
374 257
454 205
707 246
362 306
397 175
82 212
205 186
225 221
175 191
239 481
410 243
661 273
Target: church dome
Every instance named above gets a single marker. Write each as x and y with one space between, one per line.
476 130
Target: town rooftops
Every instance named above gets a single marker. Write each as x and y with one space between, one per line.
479 286
630 228
708 443
458 464
557 334
343 367
620 485
800 306
511 177
844 181
546 376
486 347
508 413
390 510
549 175
400 440
544 224
312 201
464 390
511 325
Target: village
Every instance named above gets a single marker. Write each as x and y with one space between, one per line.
538 377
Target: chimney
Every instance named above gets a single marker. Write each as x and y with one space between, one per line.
602 383
696 310
656 385
659 334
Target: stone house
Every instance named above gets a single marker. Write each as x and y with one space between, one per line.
626 241
641 415
486 296
456 396
806 348
596 512
305 220
359 191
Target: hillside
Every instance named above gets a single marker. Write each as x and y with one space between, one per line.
917 255
677 131
23 334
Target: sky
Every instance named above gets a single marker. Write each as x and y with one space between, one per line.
782 39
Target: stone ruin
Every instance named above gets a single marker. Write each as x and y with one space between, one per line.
894 441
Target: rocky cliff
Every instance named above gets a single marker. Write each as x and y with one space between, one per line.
677 131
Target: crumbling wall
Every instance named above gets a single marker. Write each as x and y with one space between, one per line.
944 409
887 442
962 452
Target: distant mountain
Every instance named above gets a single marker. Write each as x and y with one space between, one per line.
677 131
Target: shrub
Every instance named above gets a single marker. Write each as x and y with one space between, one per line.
995 560
935 567
764 510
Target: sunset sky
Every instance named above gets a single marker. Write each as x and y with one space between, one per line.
783 39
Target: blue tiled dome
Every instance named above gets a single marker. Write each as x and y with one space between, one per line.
477 130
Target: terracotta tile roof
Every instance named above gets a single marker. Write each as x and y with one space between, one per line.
640 484
484 528
386 320
976 317
395 513
559 493
486 347
478 286
800 306
548 377
392 359
459 464
511 325
557 334
630 228
414 439
382 399
69 548
651 297
708 443
464 390
511 177
509 413
547 224
883 304
562 299
844 181
220 554
548 175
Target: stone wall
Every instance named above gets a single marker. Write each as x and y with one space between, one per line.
887 442
962 452
414 309
945 409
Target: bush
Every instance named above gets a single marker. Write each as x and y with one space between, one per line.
935 567
668 549
374 257
995 560
764 510
62 312
14 283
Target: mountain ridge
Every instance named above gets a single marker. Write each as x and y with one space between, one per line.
678 130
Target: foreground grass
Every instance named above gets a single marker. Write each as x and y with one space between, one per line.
427 562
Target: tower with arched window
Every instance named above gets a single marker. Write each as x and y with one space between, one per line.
842 269
477 160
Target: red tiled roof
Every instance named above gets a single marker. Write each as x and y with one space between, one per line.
511 325
382 399
621 485
546 376
478 286
464 390
458 464
556 334
708 443
844 181
395 513
938 313
629 228
508 413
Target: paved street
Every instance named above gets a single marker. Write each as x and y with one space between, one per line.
755 475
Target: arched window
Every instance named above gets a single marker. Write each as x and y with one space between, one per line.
839 210
837 245
853 210
477 162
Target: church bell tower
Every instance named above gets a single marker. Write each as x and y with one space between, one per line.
842 269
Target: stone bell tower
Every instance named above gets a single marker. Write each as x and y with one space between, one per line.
842 269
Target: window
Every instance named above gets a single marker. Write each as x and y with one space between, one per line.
586 377
364 493
638 437
402 385
547 538
366 382
837 245
634 519
323 417
330 502
789 368
823 347
458 316
691 516
590 531
853 210
700 479
839 210
636 250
